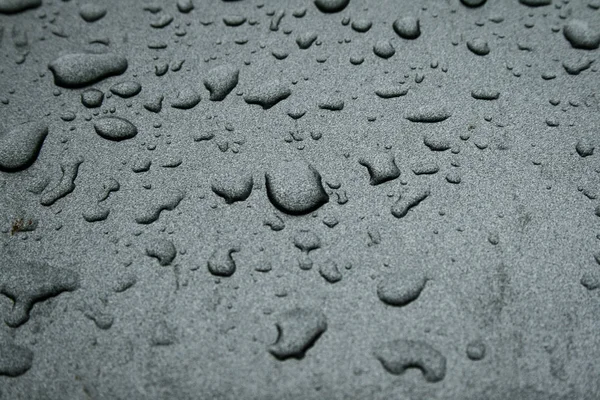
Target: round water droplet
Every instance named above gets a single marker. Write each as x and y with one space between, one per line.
115 128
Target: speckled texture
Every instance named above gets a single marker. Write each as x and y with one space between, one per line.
324 199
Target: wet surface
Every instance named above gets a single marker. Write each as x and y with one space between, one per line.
328 199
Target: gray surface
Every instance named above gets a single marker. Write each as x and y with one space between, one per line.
470 275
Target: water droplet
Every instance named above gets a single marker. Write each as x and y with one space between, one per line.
268 94
220 81
233 185
408 201
331 6
305 40
276 20
115 128
126 89
154 104
330 272
124 282
15 360
331 103
584 147
167 201
187 98
80 69
28 282
141 164
361 25
66 185
15 6
476 350
357 60
163 250
473 3
95 213
185 6
425 168
161 68
485 94
19 147
590 280
577 65
298 329
478 46
234 20
295 188
581 35
92 12
306 241
162 21
330 221
535 3
221 263
92 98
274 222
453 177
391 91
407 27
401 287
101 319
384 49
68 116
397 356
429 114
381 166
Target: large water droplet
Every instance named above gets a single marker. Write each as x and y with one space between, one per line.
126 89
15 360
15 6
407 27
92 12
331 6
298 329
401 287
581 35
115 128
20 146
80 69
295 188
381 166
28 282
397 356
220 81
268 94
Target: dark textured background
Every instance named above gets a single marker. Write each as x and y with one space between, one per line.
505 240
